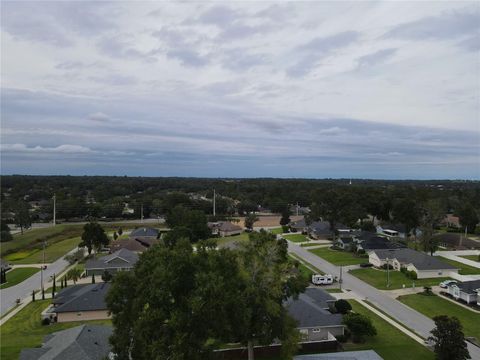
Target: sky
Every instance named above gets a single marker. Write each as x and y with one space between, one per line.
339 89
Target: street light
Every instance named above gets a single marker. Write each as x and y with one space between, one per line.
388 273
43 265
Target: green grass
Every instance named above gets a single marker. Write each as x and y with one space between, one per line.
296 237
338 257
471 257
464 268
390 343
276 231
16 276
435 305
52 252
378 279
33 239
311 244
243 237
25 331
307 264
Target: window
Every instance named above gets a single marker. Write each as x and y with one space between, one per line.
316 330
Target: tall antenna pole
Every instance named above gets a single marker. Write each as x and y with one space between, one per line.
214 202
54 209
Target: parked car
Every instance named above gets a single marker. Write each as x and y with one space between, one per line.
365 265
447 283
322 279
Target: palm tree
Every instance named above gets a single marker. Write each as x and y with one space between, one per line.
74 274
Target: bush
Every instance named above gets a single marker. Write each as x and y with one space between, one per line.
46 321
390 266
285 228
360 326
361 252
343 306
411 275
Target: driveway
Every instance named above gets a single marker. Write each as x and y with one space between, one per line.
22 290
410 318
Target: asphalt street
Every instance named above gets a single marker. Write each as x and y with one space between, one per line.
410 318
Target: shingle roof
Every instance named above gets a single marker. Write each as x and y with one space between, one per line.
89 297
453 240
320 227
105 262
144 232
309 309
418 259
346 355
85 342
378 242
469 287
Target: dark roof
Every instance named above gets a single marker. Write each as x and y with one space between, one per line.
344 355
469 287
309 309
418 259
144 232
395 227
105 262
365 235
85 342
454 239
85 297
378 242
298 224
346 240
320 227
224 226
133 244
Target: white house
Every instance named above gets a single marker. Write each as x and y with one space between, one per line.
468 291
425 266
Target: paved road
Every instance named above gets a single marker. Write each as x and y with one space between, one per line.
412 319
20 291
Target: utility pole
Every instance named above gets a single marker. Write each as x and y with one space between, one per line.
340 280
41 268
141 213
214 202
297 208
54 209
388 273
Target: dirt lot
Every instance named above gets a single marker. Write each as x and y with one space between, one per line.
267 220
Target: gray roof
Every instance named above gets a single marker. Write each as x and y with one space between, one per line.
320 227
378 242
395 227
129 257
298 224
85 342
144 232
418 259
224 226
87 297
347 355
309 310
468 287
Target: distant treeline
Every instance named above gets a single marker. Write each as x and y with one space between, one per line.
106 196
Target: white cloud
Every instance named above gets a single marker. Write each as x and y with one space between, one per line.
61 149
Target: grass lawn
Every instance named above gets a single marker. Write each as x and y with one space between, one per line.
52 252
378 279
16 276
432 306
307 265
276 231
338 257
296 237
25 331
311 244
231 239
464 269
471 257
390 343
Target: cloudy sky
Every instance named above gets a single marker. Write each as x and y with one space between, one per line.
241 89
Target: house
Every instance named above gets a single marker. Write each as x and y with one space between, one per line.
79 303
377 242
425 266
144 234
298 226
451 221
455 241
468 291
224 228
320 230
314 321
346 243
344 355
121 260
85 342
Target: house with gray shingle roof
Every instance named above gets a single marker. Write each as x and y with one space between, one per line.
121 260
468 291
425 266
80 303
85 342
314 321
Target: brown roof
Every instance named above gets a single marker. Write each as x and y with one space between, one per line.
137 245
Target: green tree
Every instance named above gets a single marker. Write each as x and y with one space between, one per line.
73 274
432 214
93 237
449 339
468 217
193 220
5 234
408 212
267 273
22 216
343 306
176 303
360 326
250 219
106 276
285 219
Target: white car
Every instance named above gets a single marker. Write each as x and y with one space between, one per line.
447 283
318 279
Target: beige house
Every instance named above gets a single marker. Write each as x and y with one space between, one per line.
79 303
224 228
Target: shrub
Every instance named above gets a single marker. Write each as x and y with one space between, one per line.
361 252
343 306
390 266
46 321
360 326
285 228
